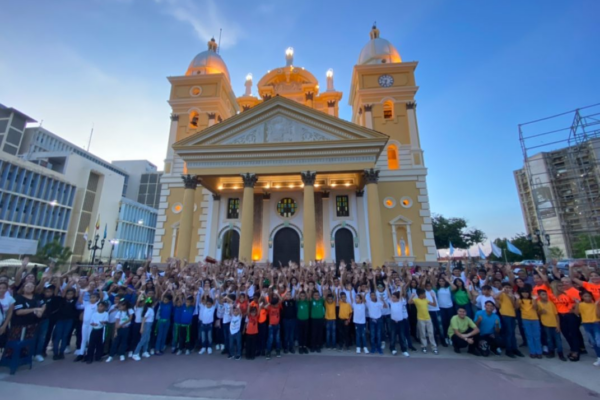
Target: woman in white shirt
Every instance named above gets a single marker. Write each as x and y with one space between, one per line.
145 330
359 318
444 296
399 325
434 313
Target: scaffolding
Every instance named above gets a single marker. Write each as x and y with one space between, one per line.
559 185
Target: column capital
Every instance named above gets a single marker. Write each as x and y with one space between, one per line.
190 181
360 193
245 107
325 194
249 180
216 197
211 115
371 175
330 103
266 97
411 105
308 178
174 117
368 107
266 196
308 95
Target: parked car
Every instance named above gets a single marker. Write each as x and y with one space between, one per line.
537 263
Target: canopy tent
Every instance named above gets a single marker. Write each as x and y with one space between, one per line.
13 262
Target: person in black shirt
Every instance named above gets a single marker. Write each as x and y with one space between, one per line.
289 315
67 313
26 317
49 302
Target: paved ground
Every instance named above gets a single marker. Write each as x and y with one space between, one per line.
314 377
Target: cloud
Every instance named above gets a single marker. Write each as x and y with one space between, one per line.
206 20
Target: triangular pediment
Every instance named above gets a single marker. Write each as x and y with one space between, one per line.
280 120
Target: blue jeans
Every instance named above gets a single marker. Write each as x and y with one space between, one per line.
593 331
61 335
386 327
289 329
235 344
226 334
375 326
508 325
274 336
206 335
330 333
554 339
119 344
398 329
534 335
40 337
361 338
161 337
142 346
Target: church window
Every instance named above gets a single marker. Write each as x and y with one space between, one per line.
286 207
388 110
392 156
193 119
341 205
233 208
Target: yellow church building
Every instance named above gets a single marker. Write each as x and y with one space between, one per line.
280 177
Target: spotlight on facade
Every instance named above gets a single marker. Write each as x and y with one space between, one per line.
141 222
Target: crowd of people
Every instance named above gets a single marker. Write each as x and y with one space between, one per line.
239 309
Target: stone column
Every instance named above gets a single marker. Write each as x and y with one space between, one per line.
310 229
169 161
363 238
331 107
266 225
247 217
368 116
326 227
211 249
374 215
187 217
211 118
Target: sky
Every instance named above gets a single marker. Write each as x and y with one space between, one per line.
484 68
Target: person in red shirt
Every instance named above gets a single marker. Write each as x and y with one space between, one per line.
251 333
274 309
569 321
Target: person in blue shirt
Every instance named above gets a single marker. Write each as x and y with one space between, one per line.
184 315
165 311
489 325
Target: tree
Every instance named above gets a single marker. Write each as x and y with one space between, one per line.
583 243
529 249
454 230
556 253
53 252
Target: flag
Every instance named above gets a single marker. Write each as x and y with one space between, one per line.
481 253
451 249
85 234
98 222
512 248
105 230
496 250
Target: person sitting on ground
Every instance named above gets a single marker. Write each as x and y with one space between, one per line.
489 326
463 332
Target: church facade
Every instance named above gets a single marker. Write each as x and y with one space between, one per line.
280 177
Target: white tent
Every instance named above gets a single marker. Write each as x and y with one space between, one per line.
13 262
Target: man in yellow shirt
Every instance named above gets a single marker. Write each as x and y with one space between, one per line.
330 321
343 323
424 323
550 325
506 300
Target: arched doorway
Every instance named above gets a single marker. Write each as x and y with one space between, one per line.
286 247
344 246
230 248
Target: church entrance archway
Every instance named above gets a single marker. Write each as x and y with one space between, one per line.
344 246
286 247
230 248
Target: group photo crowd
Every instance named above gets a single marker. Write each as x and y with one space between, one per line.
235 309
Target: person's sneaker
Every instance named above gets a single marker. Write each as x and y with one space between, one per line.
146 355
448 342
457 350
285 351
436 352
56 357
268 356
187 352
39 358
179 352
597 363
383 345
499 351
173 350
510 354
545 349
474 352
229 357
379 351
151 351
109 359
358 350
78 358
424 350
67 349
412 348
394 352
518 353
238 358
405 354
121 358
292 351
210 350
561 356
136 357
202 351
130 355
158 353
366 351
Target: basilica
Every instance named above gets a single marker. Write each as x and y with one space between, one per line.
279 177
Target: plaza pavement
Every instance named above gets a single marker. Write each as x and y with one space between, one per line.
330 375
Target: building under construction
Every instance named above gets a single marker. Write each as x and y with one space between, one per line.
558 185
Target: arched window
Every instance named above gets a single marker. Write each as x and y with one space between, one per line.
194 119
388 110
392 156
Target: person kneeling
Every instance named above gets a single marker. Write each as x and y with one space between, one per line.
463 332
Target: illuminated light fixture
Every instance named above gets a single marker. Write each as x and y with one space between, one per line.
53 203
268 71
347 184
389 203
235 188
333 184
141 222
289 51
316 185
302 185
267 186
291 185
329 73
249 77
277 186
220 187
317 87
256 257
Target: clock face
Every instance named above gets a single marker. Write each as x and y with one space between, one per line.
386 81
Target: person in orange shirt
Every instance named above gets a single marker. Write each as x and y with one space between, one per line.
593 284
274 310
263 328
569 321
251 333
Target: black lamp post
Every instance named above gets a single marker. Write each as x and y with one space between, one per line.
540 242
95 247
113 243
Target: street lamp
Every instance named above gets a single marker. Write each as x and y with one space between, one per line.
95 246
541 243
113 243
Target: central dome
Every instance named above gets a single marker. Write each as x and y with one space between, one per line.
208 62
378 51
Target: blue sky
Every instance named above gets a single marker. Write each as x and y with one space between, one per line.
484 67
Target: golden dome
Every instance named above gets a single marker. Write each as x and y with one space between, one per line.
208 62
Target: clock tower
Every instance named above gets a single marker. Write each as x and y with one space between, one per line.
382 96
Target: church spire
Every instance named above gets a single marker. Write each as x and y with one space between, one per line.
212 45
374 34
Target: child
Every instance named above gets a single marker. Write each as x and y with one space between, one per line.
550 324
96 342
207 318
164 322
274 309
123 318
330 321
67 312
359 317
136 324
375 307
317 314
251 331
397 305
289 315
531 323
303 316
343 323
226 311
508 303
145 330
590 320
424 324
89 308
235 333
184 315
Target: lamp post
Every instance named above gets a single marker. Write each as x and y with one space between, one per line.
113 243
541 243
95 247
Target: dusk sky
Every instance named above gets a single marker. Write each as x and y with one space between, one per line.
484 67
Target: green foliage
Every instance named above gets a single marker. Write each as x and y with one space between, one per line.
530 250
583 243
53 251
556 253
454 230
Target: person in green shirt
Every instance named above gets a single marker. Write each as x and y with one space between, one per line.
317 319
461 297
302 322
463 332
